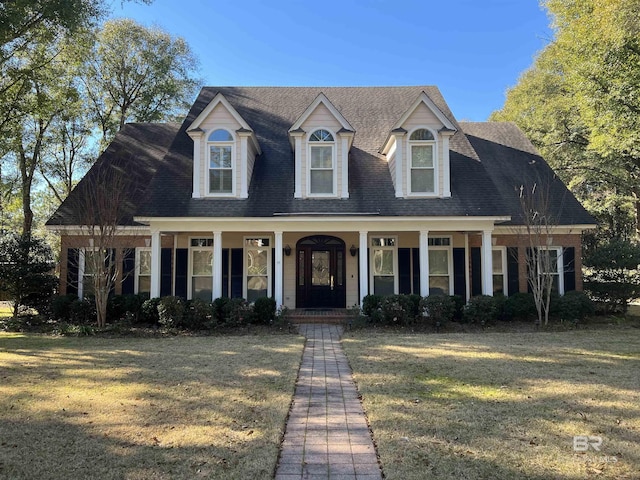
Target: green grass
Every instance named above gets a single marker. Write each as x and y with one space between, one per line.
501 405
125 408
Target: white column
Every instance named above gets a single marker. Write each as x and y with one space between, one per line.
278 294
400 164
244 182
363 266
297 167
345 166
217 266
487 264
467 279
424 263
156 247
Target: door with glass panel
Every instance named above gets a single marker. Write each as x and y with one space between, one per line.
320 277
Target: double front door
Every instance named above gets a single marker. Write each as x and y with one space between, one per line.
320 277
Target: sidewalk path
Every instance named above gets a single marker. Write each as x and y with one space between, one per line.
327 436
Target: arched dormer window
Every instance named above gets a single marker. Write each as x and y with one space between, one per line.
220 146
321 163
422 145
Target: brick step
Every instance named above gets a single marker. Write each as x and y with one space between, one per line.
332 316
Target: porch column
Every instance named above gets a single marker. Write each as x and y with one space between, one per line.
487 263
467 279
363 268
216 291
155 263
424 262
278 294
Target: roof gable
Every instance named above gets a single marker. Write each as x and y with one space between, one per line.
321 99
217 100
423 99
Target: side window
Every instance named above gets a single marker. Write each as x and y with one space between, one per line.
321 163
201 268
440 265
384 261
143 270
220 148
422 152
499 270
258 267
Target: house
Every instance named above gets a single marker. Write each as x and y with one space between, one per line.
320 196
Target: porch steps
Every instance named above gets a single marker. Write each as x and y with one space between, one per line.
333 316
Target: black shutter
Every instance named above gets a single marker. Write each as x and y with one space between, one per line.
128 271
569 263
225 272
415 258
513 274
476 271
237 269
165 272
404 270
73 257
182 262
459 277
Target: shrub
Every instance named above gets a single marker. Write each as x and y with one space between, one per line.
219 309
199 314
415 310
171 312
149 311
60 307
521 306
282 316
236 312
119 305
370 304
439 308
575 306
500 302
397 309
459 302
82 311
264 310
480 309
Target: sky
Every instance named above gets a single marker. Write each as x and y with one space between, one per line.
472 50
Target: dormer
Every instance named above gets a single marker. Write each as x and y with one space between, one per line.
321 139
417 151
224 151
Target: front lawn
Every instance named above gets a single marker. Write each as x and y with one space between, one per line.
502 405
126 408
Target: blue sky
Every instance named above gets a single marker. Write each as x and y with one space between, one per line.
472 50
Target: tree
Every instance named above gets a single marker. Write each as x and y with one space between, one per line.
579 102
137 74
25 272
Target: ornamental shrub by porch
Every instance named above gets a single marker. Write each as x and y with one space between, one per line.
480 309
439 308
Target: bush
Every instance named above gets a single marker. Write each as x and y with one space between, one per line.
370 304
119 305
397 309
82 311
481 309
60 306
439 308
459 302
149 311
573 306
237 311
219 309
415 310
264 310
171 312
520 306
199 314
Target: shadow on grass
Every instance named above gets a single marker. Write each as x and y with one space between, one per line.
178 407
501 405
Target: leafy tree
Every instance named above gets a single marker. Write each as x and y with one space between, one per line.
25 272
613 276
137 74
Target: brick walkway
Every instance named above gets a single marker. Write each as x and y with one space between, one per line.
327 436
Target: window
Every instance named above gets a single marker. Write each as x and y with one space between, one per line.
384 263
499 270
422 147
321 168
201 268
143 270
90 262
440 265
258 268
220 144
550 263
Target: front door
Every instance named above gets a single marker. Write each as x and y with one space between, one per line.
320 276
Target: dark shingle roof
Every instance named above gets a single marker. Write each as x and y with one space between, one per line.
271 111
512 161
139 149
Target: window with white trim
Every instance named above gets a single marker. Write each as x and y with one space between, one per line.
201 268
143 270
257 254
499 255
550 263
422 148
321 163
384 265
220 145
440 265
